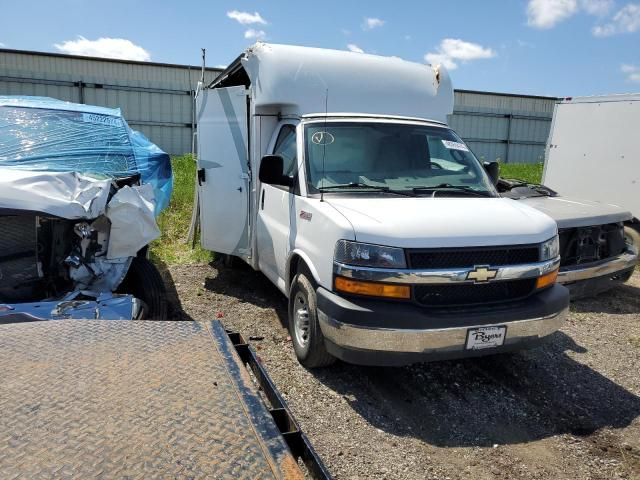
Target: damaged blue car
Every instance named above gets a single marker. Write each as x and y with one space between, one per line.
80 192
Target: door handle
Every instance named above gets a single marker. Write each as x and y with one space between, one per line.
262 201
201 176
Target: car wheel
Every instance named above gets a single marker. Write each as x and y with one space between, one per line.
229 261
304 328
632 237
143 281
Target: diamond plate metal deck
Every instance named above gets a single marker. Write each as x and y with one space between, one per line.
120 399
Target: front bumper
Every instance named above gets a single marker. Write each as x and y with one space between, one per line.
105 306
609 267
374 332
594 278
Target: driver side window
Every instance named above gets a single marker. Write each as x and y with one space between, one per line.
286 147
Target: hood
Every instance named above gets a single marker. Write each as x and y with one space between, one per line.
425 222
62 194
571 212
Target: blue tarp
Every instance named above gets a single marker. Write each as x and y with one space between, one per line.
45 134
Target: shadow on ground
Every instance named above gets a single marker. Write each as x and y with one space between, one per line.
176 312
504 399
623 299
247 285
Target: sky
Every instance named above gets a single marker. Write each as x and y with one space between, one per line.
540 47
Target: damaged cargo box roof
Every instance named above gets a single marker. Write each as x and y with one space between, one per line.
42 134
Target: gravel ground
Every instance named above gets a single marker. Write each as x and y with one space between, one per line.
568 409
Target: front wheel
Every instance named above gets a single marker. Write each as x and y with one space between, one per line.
143 281
304 328
632 237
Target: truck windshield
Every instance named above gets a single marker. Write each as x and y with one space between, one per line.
398 157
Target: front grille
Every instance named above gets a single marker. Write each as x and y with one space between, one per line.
470 293
18 256
591 244
470 257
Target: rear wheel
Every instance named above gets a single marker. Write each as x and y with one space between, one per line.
304 328
144 282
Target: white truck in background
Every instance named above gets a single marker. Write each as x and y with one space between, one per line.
593 153
329 172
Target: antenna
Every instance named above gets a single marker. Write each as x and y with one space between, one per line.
324 141
204 57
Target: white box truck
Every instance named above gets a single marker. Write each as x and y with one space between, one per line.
329 172
593 153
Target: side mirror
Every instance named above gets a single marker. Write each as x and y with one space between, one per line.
493 170
272 171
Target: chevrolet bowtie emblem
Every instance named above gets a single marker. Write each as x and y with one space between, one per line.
482 274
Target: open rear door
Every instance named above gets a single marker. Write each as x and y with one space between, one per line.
223 172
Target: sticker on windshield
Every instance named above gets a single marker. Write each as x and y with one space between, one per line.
322 138
101 119
455 145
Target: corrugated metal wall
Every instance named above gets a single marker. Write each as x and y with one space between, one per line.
157 100
509 128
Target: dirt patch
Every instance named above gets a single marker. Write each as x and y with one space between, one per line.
568 409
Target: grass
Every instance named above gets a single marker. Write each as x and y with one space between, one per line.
172 248
527 172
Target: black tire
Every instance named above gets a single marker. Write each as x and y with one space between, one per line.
229 261
632 236
311 353
144 282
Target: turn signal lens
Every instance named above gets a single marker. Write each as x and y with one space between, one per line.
548 279
372 289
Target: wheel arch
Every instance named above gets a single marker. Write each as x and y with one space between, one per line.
633 223
296 261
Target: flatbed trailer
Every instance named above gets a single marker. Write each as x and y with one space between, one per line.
129 399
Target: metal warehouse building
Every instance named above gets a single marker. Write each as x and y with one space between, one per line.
157 99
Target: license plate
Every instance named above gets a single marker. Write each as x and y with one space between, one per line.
485 337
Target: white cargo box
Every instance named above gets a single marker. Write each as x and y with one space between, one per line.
594 150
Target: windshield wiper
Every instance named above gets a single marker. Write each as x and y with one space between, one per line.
448 186
359 185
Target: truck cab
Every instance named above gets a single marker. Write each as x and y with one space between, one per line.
335 174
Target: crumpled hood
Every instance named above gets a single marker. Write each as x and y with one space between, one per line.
571 212
425 222
62 194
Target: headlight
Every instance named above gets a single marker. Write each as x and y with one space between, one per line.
550 249
368 255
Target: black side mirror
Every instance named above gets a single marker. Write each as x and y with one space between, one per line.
272 171
493 170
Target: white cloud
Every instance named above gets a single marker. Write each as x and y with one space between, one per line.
547 13
105 47
257 34
596 7
632 72
453 50
355 48
246 18
626 20
2 45
371 22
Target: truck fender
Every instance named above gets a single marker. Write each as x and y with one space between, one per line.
294 257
